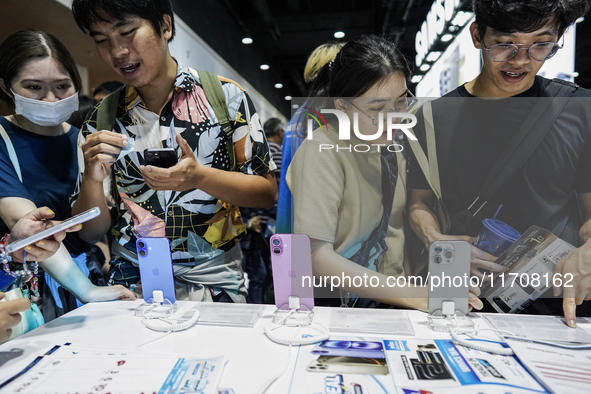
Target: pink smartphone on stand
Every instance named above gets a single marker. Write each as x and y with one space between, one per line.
291 261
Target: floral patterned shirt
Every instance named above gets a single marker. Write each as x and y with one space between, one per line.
198 225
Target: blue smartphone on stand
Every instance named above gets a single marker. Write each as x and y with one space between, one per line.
156 272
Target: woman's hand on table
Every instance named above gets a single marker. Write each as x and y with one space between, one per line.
108 293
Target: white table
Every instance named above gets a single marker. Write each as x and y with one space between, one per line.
253 359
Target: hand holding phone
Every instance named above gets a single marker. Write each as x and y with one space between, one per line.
160 157
43 231
186 175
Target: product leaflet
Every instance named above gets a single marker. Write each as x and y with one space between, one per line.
530 261
353 365
561 370
439 366
70 369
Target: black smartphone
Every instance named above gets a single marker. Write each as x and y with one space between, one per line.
160 157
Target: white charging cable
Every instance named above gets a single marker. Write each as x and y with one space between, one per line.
323 335
287 363
183 322
153 319
167 326
448 310
292 320
481 346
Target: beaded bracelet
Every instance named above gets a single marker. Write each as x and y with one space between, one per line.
4 257
32 277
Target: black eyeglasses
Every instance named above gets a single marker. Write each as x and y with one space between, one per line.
404 103
539 51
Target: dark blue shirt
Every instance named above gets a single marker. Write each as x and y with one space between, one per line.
49 169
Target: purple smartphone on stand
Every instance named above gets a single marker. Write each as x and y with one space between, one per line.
156 271
291 260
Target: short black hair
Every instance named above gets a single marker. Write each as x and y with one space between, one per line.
107 87
272 126
526 16
87 12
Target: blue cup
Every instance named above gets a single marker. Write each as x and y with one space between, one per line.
495 236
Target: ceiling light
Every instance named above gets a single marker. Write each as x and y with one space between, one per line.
416 78
295 106
288 98
446 37
339 34
425 67
265 67
433 56
247 39
278 85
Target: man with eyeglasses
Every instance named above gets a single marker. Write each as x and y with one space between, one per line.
553 188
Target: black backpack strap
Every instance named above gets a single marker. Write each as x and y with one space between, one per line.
107 111
105 120
389 174
525 141
216 97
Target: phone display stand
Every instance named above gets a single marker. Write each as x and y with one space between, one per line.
156 309
291 317
439 322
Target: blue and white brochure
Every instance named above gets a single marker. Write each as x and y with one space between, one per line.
194 376
439 366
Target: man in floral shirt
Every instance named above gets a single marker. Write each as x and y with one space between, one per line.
194 203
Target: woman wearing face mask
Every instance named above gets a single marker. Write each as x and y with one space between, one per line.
349 194
38 153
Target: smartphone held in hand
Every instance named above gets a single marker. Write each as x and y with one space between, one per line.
160 157
66 224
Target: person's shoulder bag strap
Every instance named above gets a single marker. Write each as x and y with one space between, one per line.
105 120
523 143
107 111
525 140
428 165
11 153
216 97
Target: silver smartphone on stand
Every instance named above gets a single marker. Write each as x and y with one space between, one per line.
449 275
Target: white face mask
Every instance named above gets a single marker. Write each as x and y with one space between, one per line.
45 113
